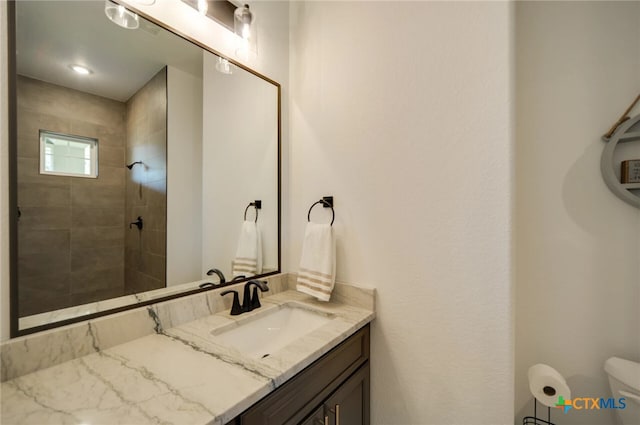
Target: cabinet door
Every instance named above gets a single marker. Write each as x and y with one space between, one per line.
317 418
349 404
296 399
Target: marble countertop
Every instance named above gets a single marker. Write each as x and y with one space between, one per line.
180 375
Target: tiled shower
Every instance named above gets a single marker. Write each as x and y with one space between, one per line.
75 245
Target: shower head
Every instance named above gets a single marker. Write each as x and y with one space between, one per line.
130 166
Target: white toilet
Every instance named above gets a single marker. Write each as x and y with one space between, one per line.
624 378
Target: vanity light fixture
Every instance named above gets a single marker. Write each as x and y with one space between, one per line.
145 2
220 11
239 20
82 70
203 6
120 16
245 28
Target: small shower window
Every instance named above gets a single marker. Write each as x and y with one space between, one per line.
67 155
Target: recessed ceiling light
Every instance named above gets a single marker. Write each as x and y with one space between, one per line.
83 70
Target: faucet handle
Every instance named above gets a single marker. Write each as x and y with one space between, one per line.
250 302
235 308
255 299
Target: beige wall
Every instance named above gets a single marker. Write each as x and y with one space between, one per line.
184 177
146 192
70 234
578 245
401 110
239 140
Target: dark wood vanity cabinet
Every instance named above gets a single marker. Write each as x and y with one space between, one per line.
334 390
348 405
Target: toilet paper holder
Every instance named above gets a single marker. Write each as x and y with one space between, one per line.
535 420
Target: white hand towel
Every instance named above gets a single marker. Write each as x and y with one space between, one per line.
248 261
317 274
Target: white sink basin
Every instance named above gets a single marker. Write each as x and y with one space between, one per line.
265 334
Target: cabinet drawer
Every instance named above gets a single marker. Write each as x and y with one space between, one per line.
298 397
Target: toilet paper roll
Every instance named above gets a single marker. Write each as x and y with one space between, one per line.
546 384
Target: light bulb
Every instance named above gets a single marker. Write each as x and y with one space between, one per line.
224 66
82 70
203 6
244 28
119 15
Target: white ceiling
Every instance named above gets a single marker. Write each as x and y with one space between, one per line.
51 35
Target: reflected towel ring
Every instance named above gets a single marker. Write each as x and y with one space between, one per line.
257 204
327 202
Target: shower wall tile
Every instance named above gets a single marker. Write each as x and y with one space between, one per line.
44 218
69 224
33 301
146 187
155 218
111 156
107 176
98 217
52 284
36 241
135 193
29 127
28 149
44 264
153 265
138 281
155 242
98 278
96 237
54 194
98 295
88 260
87 196
108 136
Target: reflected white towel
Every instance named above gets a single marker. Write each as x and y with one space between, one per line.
248 261
317 274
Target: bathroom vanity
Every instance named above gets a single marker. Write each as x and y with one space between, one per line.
333 390
178 362
146 337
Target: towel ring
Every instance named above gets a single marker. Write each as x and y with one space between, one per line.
327 203
257 205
